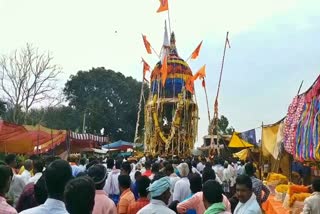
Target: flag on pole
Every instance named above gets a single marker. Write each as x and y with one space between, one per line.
166 44
146 44
201 73
195 53
164 6
146 67
164 71
190 85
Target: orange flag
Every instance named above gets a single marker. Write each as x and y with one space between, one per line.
201 73
190 85
164 71
146 68
164 6
195 53
146 44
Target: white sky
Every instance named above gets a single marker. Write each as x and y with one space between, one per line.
273 45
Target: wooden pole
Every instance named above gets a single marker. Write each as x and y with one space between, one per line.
208 109
169 21
215 115
139 111
261 155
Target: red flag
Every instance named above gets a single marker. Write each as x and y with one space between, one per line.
203 83
195 53
146 44
146 68
164 71
164 6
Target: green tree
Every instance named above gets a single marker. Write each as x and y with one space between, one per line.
60 117
106 99
223 126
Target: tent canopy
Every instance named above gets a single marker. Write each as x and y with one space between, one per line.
120 144
237 142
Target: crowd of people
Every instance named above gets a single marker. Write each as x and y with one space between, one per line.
157 186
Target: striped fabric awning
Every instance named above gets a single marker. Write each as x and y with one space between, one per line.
88 137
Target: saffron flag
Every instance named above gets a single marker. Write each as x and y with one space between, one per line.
164 71
146 68
190 85
164 6
146 44
195 53
201 73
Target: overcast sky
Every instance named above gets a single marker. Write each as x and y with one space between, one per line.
274 45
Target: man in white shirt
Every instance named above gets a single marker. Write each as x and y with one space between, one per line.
182 187
312 203
57 175
82 164
247 200
26 175
112 184
201 165
160 194
38 165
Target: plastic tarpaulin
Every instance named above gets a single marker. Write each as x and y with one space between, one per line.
121 145
237 142
272 137
14 138
28 139
242 155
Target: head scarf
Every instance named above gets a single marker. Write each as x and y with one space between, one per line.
183 169
158 187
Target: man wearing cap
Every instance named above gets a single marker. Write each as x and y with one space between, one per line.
160 194
182 187
102 203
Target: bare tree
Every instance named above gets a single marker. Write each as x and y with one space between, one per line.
27 77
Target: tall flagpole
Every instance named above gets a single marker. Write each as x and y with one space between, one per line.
215 116
169 18
139 111
208 109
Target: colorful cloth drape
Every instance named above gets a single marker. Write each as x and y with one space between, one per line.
301 126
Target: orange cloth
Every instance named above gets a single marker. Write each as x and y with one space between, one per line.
164 6
195 53
126 198
164 71
274 207
201 73
146 44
